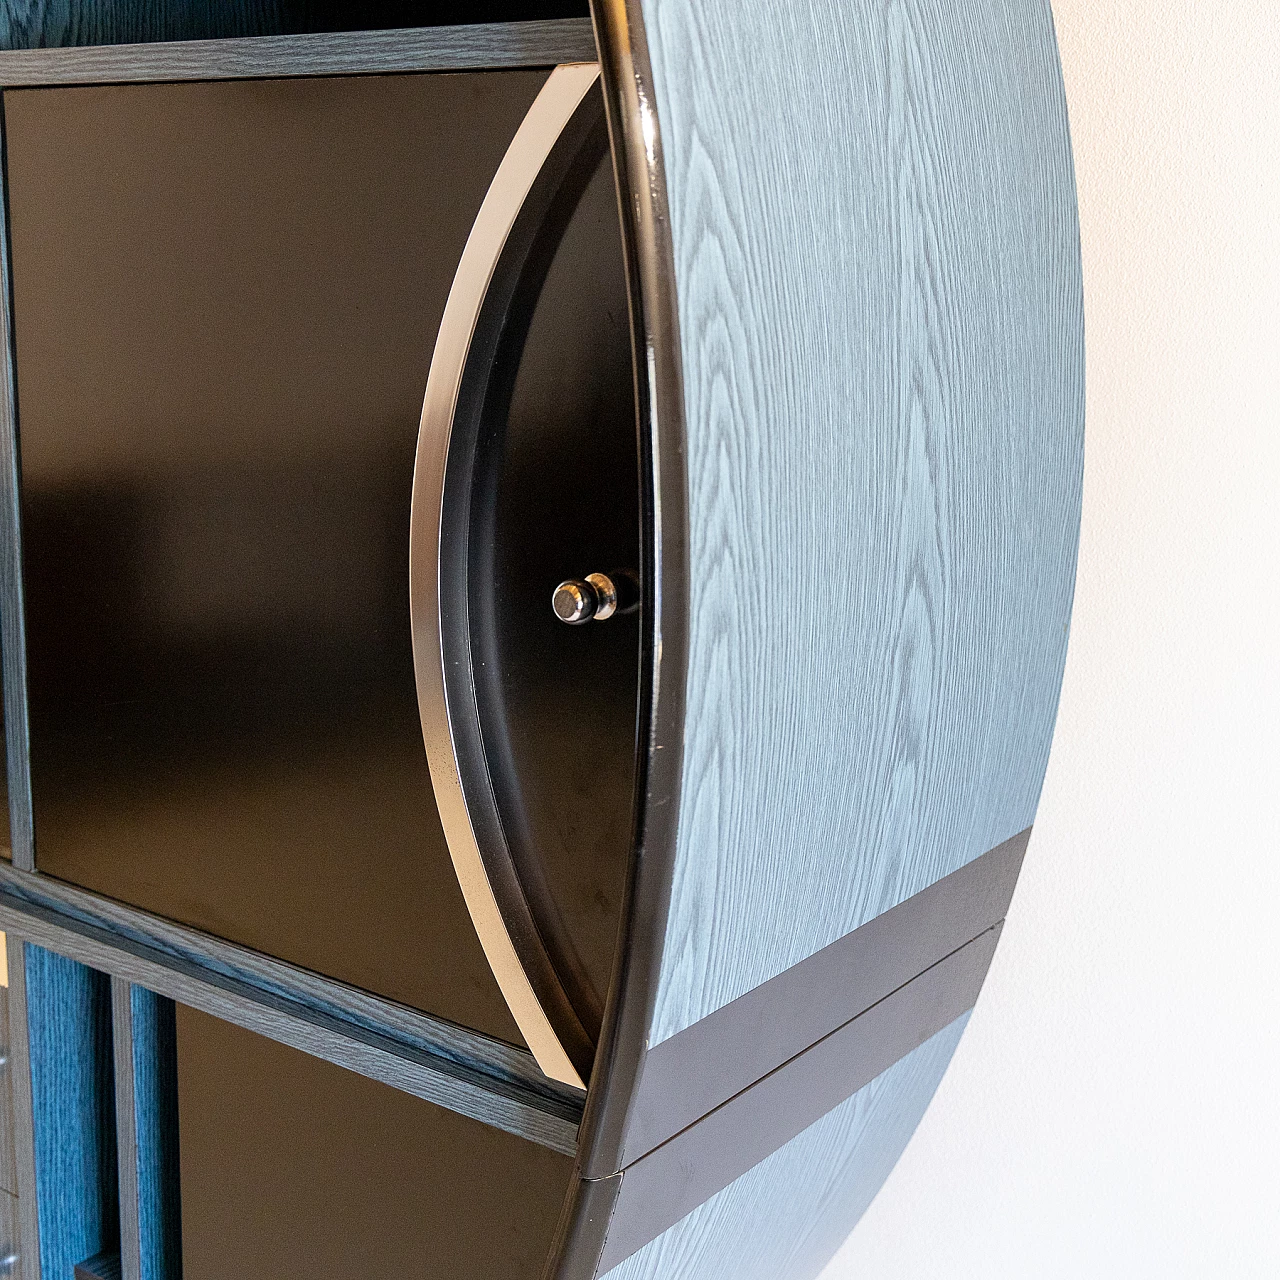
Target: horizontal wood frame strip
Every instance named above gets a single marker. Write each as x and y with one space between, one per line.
701 1067
670 1182
438 1061
475 46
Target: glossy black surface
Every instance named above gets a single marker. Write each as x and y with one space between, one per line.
225 302
557 496
294 1167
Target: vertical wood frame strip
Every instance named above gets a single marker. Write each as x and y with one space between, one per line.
8 1168
126 1127
146 1077
24 1157
68 1015
10 1255
12 630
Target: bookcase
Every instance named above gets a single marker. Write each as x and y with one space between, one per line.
538 552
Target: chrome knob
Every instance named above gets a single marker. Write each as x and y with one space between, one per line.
596 597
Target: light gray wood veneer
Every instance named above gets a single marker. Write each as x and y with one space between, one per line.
877 266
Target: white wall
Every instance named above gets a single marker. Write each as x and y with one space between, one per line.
1114 1109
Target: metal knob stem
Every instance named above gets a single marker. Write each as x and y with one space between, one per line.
596 597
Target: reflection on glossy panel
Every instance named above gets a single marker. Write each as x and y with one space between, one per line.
561 495
225 302
294 1167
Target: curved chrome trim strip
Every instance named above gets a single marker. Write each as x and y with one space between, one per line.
528 152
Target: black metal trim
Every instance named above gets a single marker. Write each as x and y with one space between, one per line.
584 1224
664 572
670 1182
693 1072
476 46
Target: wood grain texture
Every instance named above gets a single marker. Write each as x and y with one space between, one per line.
670 1182
451 1066
69 1034
24 1157
155 1091
128 1257
873 219
146 1074
783 1219
474 47
5 851
31 24
12 638
704 1066
9 1255
8 1169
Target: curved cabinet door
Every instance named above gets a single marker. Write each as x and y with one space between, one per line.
852 232
526 475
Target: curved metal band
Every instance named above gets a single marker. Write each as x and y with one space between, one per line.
664 573
506 926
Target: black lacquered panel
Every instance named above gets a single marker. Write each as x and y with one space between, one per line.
556 496
225 302
294 1167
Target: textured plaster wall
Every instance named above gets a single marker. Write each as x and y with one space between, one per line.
1114 1109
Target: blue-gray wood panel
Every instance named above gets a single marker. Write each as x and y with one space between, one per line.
155 1099
8 1167
68 1010
785 1218
40 24
877 267
43 24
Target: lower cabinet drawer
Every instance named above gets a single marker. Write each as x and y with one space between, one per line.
294 1167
